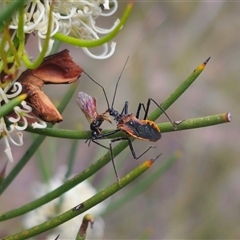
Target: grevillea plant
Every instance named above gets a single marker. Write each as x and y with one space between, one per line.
25 107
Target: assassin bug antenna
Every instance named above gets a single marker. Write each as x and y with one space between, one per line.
88 105
115 91
104 92
116 87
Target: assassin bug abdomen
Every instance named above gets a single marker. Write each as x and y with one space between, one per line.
140 129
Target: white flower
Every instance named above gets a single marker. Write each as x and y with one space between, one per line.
21 115
75 18
69 200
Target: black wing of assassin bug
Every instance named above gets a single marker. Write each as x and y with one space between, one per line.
88 106
131 125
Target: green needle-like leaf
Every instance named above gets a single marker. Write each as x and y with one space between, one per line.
66 186
9 10
165 127
100 41
34 146
8 107
191 123
19 166
82 233
179 91
143 185
82 207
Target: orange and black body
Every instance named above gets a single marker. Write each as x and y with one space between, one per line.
140 129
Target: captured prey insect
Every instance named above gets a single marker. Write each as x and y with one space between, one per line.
131 125
88 106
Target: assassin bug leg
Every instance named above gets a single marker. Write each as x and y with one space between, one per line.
146 110
126 122
132 151
130 146
113 163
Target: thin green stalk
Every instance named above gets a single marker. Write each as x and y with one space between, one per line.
70 162
179 91
8 107
164 127
216 119
71 158
82 233
43 168
66 186
3 172
146 235
143 185
38 61
197 122
56 46
20 30
12 51
100 41
82 207
34 146
9 10
67 97
19 166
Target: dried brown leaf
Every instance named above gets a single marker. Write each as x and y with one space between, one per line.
55 69
58 68
41 105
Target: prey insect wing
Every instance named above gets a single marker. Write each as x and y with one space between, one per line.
88 106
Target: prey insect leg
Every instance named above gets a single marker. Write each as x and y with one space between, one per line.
103 135
92 140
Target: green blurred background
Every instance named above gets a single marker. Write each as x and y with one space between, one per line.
199 197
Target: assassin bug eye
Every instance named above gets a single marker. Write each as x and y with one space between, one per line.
131 122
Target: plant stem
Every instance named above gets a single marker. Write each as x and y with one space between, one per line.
165 127
82 207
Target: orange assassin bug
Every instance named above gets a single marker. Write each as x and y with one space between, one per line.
131 125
